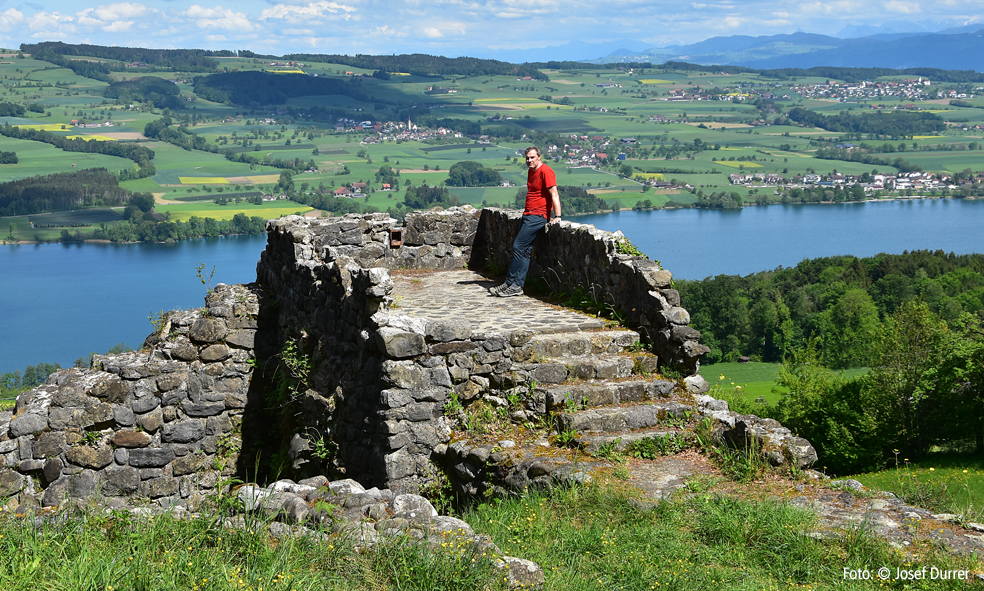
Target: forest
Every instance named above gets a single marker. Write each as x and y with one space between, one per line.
262 88
915 320
62 191
894 124
838 300
11 109
186 60
425 65
163 93
472 174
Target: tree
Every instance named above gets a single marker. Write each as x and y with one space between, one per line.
908 348
143 201
848 329
472 174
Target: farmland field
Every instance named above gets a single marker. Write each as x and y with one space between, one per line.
628 115
268 210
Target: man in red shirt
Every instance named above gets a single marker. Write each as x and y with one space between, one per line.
542 200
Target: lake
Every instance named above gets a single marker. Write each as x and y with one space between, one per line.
59 302
699 243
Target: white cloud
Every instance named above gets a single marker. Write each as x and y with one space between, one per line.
112 18
899 7
10 17
433 33
386 31
217 18
118 26
41 20
216 37
307 12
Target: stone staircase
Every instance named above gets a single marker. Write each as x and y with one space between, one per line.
587 394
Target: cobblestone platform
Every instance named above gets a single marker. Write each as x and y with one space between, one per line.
464 295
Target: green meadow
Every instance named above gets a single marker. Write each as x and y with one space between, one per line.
639 108
268 210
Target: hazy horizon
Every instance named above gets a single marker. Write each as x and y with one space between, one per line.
453 28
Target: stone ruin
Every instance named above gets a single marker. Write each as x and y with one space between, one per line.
317 370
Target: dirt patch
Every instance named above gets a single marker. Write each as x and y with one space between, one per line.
159 198
239 180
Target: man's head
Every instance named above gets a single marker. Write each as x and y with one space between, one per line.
532 157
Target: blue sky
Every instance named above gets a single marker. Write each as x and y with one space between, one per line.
448 27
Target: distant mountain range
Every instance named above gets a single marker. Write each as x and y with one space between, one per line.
957 48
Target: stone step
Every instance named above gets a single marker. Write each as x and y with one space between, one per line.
598 367
592 444
581 344
601 393
622 419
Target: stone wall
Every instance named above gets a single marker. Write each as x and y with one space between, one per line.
370 402
572 256
162 423
345 384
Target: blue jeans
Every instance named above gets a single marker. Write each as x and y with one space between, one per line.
522 246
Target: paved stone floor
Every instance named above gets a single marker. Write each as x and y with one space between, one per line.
464 294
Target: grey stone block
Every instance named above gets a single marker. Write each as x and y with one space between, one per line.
207 330
90 457
444 330
399 344
202 410
186 431
27 424
150 457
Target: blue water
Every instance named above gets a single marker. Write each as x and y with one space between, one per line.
60 302
696 243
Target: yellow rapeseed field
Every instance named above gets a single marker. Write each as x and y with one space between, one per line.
98 138
204 180
46 126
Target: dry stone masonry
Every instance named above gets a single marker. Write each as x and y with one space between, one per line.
162 424
358 352
379 378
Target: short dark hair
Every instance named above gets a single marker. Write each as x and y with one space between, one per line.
533 149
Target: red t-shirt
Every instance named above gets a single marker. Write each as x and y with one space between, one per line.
538 183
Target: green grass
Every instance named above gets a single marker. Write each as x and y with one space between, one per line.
749 381
594 538
36 158
269 210
943 482
96 551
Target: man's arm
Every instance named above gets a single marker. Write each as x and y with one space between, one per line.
555 204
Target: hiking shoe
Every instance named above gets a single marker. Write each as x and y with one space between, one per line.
494 290
509 291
